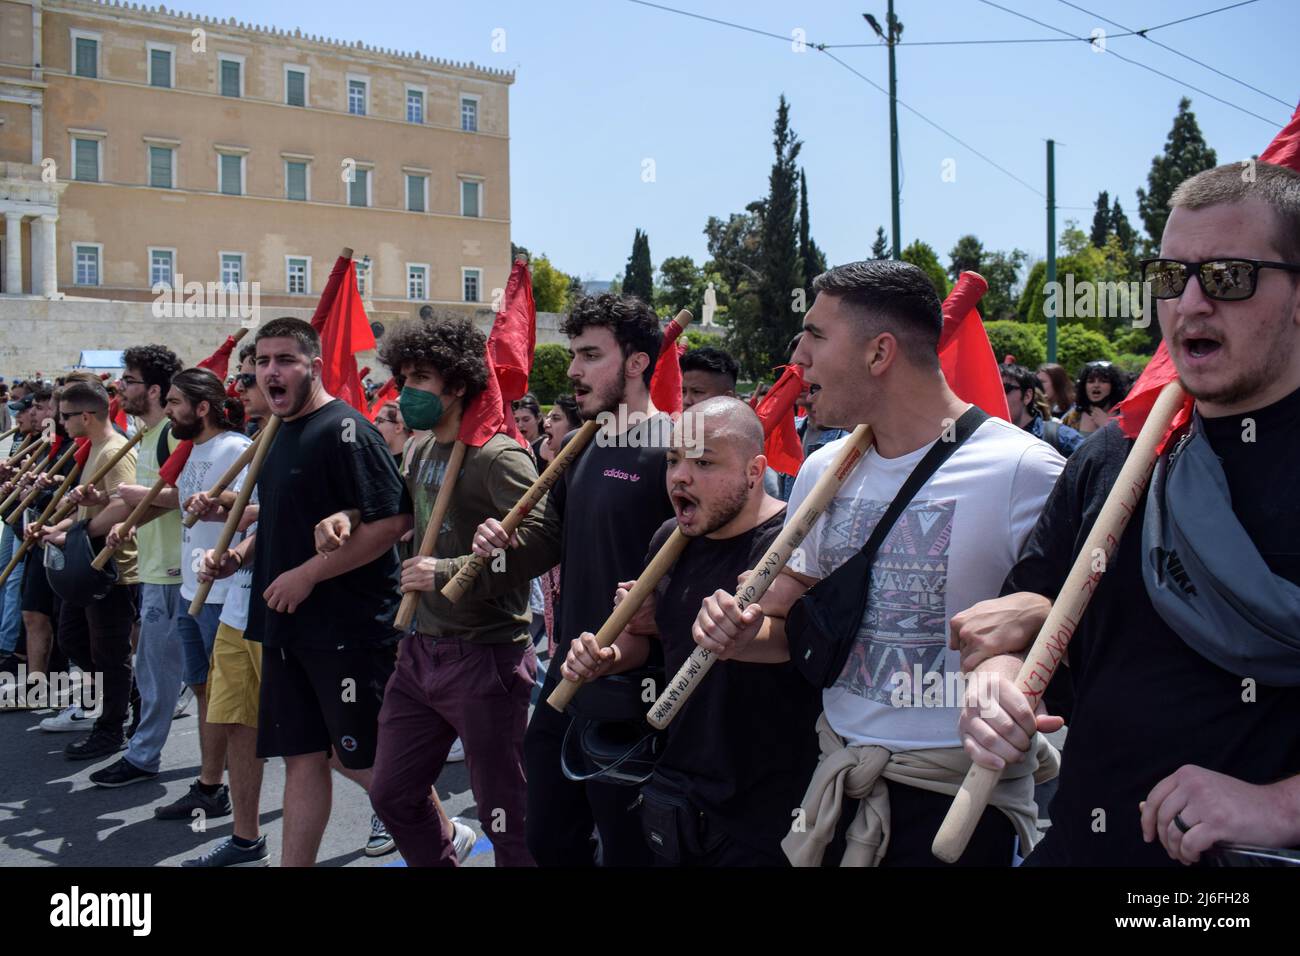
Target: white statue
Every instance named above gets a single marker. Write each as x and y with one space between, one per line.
710 304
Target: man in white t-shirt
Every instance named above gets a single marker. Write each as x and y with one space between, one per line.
869 350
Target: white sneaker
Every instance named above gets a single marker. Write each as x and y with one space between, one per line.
183 702
464 839
70 719
457 752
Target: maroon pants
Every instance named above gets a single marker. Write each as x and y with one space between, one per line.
442 690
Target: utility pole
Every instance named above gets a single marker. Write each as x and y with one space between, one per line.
1051 245
890 36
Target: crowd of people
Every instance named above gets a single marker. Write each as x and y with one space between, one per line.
816 739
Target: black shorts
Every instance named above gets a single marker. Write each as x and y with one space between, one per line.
38 596
315 701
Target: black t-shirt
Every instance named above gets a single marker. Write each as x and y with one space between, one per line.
1145 703
331 460
611 501
744 746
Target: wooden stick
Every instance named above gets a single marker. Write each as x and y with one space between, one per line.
16 453
129 525
231 474
659 565
7 433
458 586
1049 647
15 519
31 459
68 482
761 577
411 599
237 509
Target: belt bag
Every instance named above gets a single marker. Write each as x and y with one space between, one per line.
822 626
671 824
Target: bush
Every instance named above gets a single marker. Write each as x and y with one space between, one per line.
1132 363
1077 345
695 339
1135 342
1021 339
550 373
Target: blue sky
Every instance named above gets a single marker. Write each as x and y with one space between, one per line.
604 85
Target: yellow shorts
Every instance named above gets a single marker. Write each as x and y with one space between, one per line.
235 679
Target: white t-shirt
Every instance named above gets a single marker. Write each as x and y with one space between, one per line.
234 610
207 463
950 548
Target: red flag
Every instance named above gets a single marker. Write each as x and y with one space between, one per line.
509 358
344 331
782 447
964 351
171 468
218 363
116 414
55 444
1285 148
82 454
666 383
385 395
363 373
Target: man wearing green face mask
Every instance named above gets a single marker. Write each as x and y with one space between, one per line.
466 670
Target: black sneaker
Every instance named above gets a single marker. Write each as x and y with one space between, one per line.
120 774
95 746
217 805
227 854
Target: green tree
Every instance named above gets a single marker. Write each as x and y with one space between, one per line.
550 374
550 285
966 256
780 267
811 258
1001 270
1077 345
682 285
1186 154
638 280
1101 220
923 255
880 248
733 267
1020 339
1121 229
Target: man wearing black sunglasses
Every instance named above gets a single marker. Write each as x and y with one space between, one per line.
1186 667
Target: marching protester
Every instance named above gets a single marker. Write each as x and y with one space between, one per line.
812 435
737 759
1030 410
707 372
34 407
938 511
560 420
1100 388
1054 382
1190 636
393 428
610 502
327 651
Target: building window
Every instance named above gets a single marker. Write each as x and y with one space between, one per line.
417 278
160 67
87 265
295 87
298 280
359 188
232 269
232 77
295 180
469 114
86 160
162 264
231 174
86 56
360 267
160 167
415 106
357 97
469 198
471 280
416 187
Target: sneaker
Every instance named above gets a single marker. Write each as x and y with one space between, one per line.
72 719
464 839
217 805
457 752
381 841
227 854
120 774
94 746
183 702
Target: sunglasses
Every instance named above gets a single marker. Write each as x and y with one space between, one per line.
1225 280
64 416
246 379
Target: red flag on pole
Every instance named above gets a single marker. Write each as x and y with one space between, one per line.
964 352
344 331
666 382
1285 148
509 355
781 446
116 414
218 363
82 454
388 393
171 468
55 444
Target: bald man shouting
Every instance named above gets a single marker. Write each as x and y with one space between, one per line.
738 755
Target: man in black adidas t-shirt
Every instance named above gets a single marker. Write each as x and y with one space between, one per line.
609 504
1198 727
739 754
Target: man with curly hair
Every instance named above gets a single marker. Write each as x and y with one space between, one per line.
467 669
619 499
